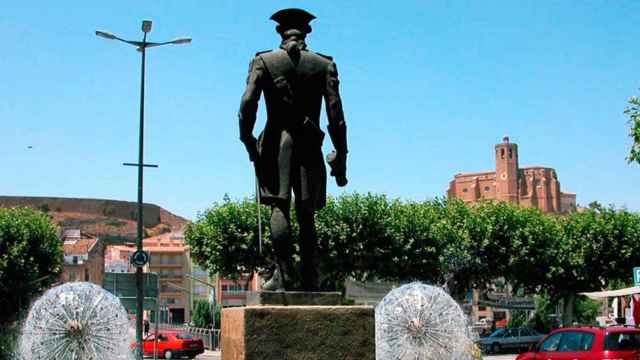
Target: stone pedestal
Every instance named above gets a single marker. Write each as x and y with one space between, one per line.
288 298
298 333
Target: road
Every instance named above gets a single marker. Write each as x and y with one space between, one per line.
215 355
209 355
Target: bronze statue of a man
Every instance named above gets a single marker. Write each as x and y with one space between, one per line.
288 153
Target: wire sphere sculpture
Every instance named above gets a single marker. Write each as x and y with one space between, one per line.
76 321
421 322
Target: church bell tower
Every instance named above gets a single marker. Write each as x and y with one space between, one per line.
507 171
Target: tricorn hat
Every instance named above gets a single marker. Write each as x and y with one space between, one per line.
293 19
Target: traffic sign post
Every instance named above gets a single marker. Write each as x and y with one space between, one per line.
140 258
636 276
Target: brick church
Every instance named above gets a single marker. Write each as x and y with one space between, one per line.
530 186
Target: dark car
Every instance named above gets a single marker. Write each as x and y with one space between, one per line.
515 339
587 343
173 345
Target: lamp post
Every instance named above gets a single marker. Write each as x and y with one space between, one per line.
213 305
140 258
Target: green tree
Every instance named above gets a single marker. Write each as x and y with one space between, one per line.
31 258
478 243
224 239
518 318
531 235
368 236
633 112
416 233
596 246
543 319
371 237
354 239
217 317
202 316
586 310
595 205
361 236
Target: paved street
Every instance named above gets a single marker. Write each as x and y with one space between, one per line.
500 357
215 355
209 355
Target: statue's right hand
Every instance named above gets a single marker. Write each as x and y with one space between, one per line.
338 164
252 148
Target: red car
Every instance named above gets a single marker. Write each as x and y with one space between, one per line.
587 343
172 345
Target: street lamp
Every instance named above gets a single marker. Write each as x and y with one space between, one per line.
213 305
202 282
140 258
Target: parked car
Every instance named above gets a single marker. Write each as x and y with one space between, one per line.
509 339
587 343
172 345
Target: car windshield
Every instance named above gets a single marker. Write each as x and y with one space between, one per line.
184 336
622 341
497 333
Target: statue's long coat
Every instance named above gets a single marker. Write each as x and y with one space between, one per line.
290 146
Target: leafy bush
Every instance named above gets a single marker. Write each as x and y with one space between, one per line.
633 112
44 208
202 314
8 338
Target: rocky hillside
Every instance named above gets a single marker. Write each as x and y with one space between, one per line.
113 221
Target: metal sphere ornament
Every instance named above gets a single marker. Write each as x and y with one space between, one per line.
421 322
76 321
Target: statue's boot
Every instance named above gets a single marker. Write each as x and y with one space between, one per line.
276 282
310 276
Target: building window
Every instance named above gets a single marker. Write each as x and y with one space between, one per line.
465 190
72 275
502 153
86 274
172 301
510 153
487 189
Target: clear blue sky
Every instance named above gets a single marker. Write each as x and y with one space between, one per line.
428 88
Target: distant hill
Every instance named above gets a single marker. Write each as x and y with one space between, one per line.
112 220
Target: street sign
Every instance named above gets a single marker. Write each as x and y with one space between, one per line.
123 285
140 258
636 276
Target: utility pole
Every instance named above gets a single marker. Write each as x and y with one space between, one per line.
140 257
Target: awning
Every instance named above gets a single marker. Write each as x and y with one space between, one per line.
612 293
